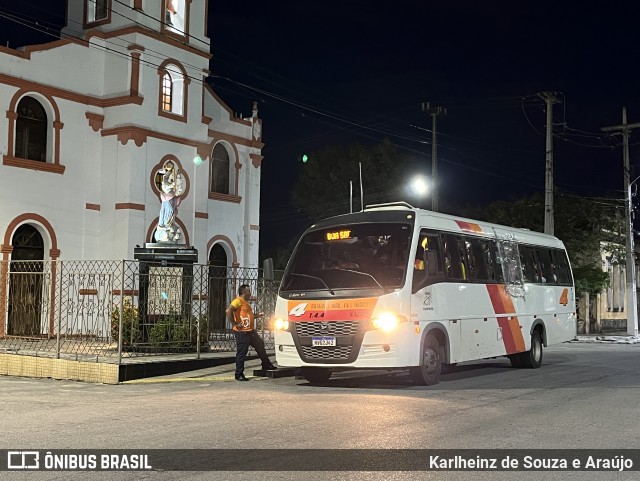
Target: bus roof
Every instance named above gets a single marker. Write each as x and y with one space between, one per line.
399 211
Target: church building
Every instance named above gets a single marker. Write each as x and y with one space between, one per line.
92 120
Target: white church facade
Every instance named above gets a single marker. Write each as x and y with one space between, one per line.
89 123
91 119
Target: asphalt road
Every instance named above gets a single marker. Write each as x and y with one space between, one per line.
585 396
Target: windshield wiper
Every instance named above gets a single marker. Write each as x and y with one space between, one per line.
360 272
314 277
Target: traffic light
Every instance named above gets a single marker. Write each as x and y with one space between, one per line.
304 158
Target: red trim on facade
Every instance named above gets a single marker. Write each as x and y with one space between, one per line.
135 74
223 239
86 24
11 161
125 134
130 206
126 292
177 43
57 125
201 215
234 139
225 197
128 132
232 116
29 49
7 248
158 166
88 292
254 227
256 160
47 90
162 69
96 121
92 207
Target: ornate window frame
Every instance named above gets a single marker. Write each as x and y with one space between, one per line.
182 7
52 163
234 173
87 22
174 70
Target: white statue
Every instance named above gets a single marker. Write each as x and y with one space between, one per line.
171 189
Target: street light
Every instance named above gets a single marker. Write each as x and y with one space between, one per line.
419 186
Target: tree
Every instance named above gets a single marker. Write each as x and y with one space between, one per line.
322 188
584 225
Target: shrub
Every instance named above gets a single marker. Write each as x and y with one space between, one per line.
130 323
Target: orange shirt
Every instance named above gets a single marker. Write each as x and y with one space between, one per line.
243 314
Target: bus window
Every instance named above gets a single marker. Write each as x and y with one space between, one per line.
464 261
564 273
427 265
491 258
511 267
546 267
477 254
453 261
530 269
358 256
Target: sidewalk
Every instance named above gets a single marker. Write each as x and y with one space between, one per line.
220 373
613 338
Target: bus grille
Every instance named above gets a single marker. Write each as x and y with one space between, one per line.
329 328
339 353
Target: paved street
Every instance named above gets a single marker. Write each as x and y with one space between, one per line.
584 396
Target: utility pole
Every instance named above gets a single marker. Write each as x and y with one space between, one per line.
550 99
632 297
434 112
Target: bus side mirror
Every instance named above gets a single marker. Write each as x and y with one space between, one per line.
267 270
432 262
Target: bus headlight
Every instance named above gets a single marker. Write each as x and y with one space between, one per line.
281 324
385 321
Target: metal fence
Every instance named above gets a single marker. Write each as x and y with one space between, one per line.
123 309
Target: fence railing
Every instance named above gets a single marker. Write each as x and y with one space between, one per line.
123 309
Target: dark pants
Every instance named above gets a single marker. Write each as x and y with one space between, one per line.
244 340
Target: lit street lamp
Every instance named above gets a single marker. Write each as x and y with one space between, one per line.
419 187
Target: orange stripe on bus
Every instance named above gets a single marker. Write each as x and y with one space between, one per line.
469 227
511 332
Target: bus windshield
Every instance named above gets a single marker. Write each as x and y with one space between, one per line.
354 256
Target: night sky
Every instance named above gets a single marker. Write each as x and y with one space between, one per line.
331 72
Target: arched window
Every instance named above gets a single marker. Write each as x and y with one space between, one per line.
31 130
97 11
220 170
167 92
172 91
175 16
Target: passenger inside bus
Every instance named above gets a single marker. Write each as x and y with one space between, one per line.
423 245
345 262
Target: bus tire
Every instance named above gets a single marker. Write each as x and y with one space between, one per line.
430 368
532 359
316 375
516 360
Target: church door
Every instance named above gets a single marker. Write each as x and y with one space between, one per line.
25 282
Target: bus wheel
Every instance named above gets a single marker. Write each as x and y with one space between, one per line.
428 372
316 375
532 359
516 360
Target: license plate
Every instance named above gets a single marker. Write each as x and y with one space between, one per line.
323 341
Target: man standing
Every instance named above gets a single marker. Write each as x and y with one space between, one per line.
241 316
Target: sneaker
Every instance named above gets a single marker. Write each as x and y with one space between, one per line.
241 377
